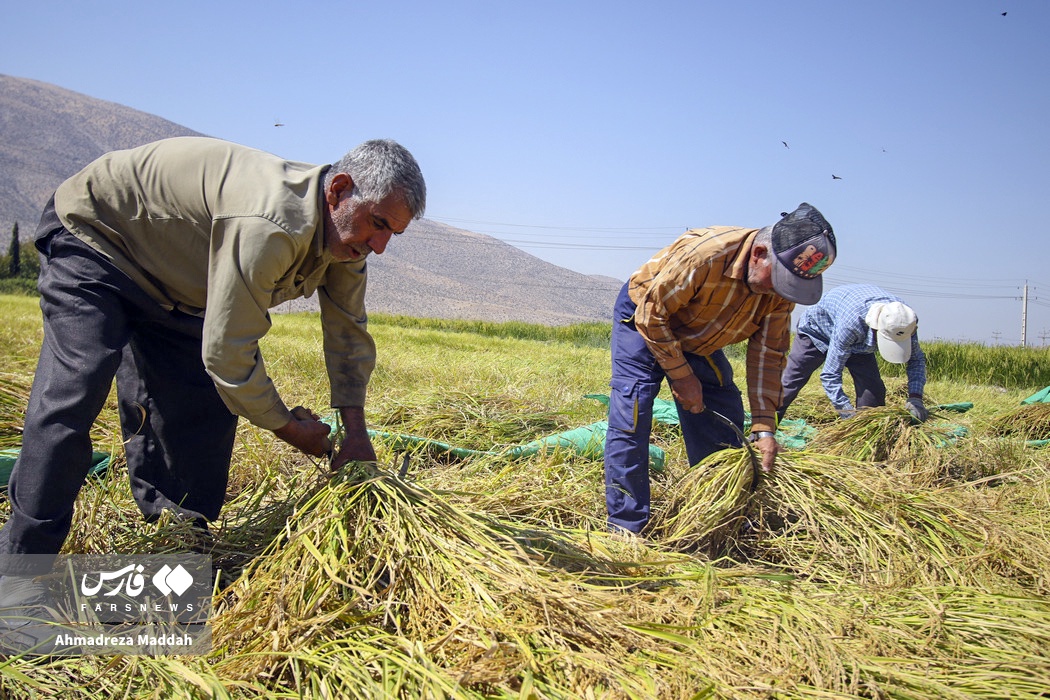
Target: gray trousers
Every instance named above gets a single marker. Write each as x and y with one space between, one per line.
178 434
805 358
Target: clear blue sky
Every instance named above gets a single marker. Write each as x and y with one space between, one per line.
592 133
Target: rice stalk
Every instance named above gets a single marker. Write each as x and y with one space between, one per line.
14 396
705 506
800 639
836 519
552 489
889 434
473 422
885 433
960 642
1027 422
487 600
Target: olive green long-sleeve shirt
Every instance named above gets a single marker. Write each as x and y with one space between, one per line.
226 232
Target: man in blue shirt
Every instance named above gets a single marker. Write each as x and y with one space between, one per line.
842 331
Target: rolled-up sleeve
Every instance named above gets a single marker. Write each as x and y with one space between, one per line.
248 256
349 351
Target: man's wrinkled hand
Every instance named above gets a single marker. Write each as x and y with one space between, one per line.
769 448
689 393
306 433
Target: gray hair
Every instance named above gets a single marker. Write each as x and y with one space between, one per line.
764 237
380 167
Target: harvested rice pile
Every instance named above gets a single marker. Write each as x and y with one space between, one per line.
887 433
472 422
480 578
831 583
14 395
707 505
1028 422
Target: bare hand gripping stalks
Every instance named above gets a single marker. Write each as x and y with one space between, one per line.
756 463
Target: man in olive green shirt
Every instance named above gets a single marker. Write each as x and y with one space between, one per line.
159 265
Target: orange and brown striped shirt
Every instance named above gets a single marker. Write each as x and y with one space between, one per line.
693 297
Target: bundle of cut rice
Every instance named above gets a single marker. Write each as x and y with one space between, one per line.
371 562
888 434
704 508
839 519
1028 422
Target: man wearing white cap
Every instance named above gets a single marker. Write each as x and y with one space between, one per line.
842 331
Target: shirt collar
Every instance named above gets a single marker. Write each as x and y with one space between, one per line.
319 242
738 268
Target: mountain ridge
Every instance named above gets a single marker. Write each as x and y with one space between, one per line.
434 270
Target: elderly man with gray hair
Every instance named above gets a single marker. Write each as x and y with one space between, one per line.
159 265
842 332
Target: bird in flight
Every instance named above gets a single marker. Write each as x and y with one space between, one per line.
277 122
785 144
835 177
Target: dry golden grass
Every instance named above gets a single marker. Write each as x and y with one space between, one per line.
483 577
1028 422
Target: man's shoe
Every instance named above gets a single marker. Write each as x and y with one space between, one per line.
26 624
21 591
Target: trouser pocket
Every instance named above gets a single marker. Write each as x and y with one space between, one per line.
623 406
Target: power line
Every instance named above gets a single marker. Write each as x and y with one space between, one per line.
634 229
929 285
906 285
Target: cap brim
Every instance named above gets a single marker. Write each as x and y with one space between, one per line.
794 288
894 351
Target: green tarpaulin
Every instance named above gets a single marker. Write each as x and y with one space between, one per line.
99 463
587 441
1039 397
791 433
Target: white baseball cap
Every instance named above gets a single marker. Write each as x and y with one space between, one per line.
895 324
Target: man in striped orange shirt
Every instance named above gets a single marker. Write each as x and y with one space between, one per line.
711 288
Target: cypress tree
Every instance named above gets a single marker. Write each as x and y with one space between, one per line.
14 250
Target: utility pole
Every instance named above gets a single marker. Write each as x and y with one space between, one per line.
1024 313
996 334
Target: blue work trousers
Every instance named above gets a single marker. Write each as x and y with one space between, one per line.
178 434
636 380
805 358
